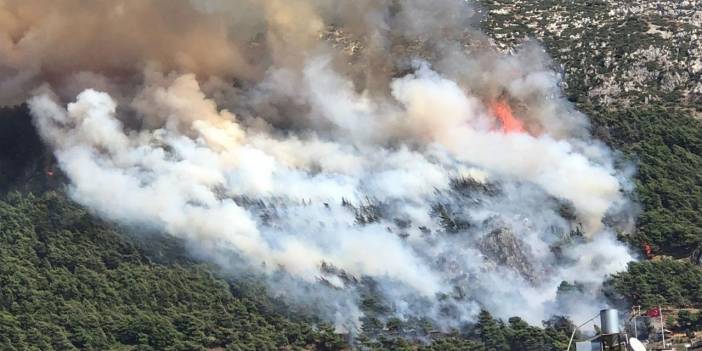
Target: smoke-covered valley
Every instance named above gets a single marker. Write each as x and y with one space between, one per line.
335 148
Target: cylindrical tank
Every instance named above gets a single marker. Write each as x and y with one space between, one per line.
609 320
588 346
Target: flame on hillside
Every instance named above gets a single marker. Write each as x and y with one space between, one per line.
509 123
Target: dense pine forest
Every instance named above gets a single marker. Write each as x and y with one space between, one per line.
70 281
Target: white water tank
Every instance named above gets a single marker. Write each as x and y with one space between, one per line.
609 320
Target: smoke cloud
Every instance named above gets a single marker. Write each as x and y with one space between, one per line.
327 145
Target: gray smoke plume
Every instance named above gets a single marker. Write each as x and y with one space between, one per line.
326 145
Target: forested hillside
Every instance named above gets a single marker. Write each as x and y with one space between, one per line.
634 67
69 281
665 144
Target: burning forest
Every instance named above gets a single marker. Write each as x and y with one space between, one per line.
333 149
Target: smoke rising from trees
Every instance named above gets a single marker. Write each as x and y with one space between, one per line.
327 144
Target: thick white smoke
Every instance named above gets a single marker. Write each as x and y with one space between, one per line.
445 185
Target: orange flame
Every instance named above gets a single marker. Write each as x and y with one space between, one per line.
503 112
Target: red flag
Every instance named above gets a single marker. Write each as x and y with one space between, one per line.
655 312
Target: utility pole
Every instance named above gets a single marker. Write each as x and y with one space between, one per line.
636 310
660 313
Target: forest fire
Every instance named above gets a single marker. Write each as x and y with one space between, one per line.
503 112
231 137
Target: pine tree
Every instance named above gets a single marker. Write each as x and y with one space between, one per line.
491 332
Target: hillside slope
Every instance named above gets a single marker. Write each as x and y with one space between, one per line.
69 281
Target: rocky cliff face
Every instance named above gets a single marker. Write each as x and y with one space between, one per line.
502 248
619 52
